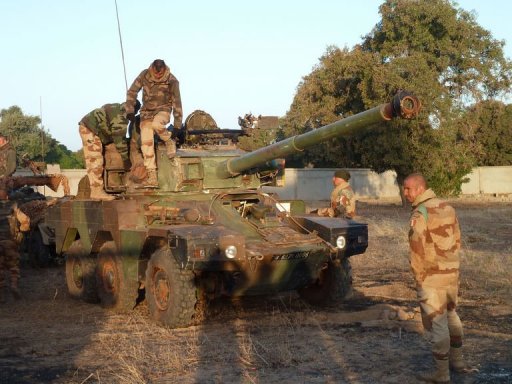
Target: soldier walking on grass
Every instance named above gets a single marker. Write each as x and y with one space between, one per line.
160 96
434 240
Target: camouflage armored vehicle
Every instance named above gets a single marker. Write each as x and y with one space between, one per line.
209 230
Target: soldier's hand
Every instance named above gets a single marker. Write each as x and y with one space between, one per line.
131 116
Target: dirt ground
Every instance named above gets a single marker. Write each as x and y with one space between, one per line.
374 337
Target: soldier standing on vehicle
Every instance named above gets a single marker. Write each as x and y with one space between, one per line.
343 201
98 128
160 96
434 240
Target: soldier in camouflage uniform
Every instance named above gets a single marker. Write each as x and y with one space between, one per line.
160 96
343 201
98 128
9 255
434 239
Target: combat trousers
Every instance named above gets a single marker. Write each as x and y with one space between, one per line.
93 153
9 262
148 128
438 302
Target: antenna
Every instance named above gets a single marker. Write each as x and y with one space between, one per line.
42 126
121 42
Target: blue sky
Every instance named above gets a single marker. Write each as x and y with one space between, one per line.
62 58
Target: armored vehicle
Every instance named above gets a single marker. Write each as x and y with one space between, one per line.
209 230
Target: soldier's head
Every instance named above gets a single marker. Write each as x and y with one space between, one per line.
339 176
414 185
158 68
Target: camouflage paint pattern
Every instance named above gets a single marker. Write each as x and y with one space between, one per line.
148 128
434 239
343 202
93 153
109 124
158 95
7 160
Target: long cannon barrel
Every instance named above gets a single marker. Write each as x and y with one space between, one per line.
403 105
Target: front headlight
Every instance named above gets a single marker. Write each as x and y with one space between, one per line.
341 242
230 252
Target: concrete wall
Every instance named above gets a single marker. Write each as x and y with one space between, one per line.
316 183
489 181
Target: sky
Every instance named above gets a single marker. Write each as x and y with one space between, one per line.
62 58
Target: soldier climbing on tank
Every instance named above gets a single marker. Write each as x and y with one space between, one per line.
99 128
160 96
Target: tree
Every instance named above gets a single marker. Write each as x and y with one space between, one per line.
434 50
34 143
487 126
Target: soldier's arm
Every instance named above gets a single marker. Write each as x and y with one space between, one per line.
177 109
133 91
417 239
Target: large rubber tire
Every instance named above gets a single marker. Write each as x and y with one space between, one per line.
170 291
332 286
39 253
111 280
80 274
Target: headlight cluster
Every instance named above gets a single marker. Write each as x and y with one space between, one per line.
341 242
230 252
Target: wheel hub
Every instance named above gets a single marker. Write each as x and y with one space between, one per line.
109 276
162 290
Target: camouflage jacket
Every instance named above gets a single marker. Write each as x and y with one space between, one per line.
7 160
157 95
109 123
434 237
343 200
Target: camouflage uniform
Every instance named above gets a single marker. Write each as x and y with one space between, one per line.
7 160
343 202
434 240
98 128
159 97
9 255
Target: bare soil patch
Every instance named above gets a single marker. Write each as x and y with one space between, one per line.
47 337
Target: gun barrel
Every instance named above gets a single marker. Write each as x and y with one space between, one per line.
402 105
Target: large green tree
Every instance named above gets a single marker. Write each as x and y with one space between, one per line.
487 127
32 142
433 49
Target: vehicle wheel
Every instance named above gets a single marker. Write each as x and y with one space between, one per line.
80 276
39 253
111 280
333 284
170 291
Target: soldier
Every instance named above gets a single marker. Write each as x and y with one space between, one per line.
9 254
98 128
7 157
434 240
160 95
343 201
